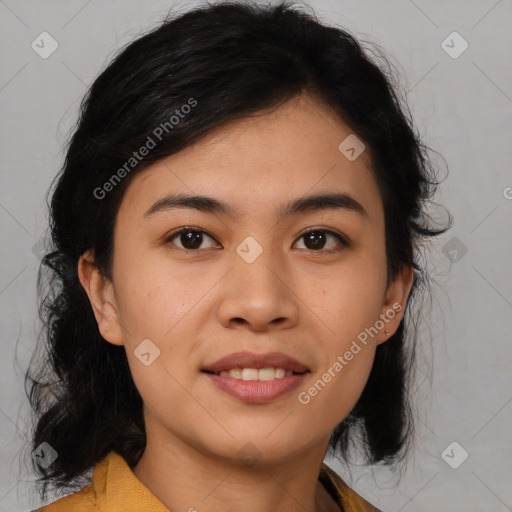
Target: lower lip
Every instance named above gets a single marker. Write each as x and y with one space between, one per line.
257 391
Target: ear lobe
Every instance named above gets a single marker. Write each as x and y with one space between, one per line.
100 292
394 306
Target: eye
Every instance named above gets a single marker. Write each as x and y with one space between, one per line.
316 239
190 238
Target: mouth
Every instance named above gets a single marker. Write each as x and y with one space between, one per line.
257 385
252 374
253 366
256 378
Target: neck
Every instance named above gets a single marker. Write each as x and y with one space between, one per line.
187 479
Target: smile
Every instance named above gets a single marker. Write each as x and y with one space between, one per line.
264 374
247 387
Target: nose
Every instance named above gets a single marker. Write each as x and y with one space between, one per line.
258 296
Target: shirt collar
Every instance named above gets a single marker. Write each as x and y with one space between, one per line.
117 489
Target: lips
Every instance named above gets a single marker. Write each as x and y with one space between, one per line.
257 361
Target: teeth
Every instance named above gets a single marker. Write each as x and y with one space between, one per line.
255 374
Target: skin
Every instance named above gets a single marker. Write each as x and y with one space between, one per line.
307 302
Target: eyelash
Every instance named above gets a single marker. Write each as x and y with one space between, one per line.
190 229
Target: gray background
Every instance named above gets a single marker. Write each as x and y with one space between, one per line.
463 108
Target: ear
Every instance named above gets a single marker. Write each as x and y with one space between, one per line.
100 291
393 308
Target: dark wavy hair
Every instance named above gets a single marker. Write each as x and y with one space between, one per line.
235 60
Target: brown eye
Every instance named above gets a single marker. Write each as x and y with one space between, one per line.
190 239
315 240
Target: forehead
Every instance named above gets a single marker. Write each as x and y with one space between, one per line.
256 163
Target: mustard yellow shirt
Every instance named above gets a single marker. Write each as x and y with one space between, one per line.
115 488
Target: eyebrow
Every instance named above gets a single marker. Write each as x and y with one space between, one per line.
301 205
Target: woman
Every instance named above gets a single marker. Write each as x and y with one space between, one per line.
236 228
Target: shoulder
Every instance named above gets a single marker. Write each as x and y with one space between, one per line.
81 501
114 488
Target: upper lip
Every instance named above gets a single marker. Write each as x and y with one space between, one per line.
252 360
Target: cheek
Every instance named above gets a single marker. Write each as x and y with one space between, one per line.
350 308
150 298
337 386
162 307
352 303
167 399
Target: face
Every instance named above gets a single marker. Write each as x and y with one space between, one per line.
200 283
